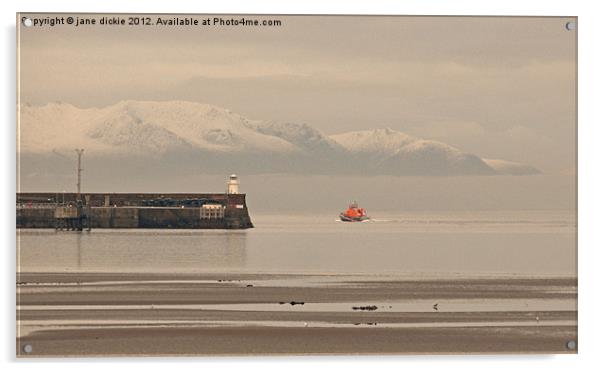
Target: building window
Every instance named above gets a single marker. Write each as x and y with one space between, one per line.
212 212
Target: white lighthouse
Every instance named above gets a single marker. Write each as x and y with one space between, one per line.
233 184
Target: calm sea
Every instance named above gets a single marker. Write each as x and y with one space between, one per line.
487 243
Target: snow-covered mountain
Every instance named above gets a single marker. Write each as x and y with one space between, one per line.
375 142
195 137
157 127
303 136
510 168
392 150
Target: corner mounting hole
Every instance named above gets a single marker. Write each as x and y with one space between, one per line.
27 22
27 348
570 26
571 344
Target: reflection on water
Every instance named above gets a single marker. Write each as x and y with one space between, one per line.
130 250
78 240
492 243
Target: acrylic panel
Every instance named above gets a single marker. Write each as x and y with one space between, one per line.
200 184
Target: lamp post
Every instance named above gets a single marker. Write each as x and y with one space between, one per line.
79 152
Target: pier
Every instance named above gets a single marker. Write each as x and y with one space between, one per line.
78 210
133 210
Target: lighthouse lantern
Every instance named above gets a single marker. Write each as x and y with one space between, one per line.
233 184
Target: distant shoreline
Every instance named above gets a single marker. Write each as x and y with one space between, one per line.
94 276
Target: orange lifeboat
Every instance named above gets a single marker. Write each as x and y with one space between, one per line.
354 214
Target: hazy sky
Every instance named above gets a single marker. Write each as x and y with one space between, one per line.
497 87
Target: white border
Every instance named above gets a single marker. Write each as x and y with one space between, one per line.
590 185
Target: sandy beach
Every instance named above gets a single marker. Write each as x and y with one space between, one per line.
101 314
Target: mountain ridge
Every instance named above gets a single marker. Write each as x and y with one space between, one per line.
208 137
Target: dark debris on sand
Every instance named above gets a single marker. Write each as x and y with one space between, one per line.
367 307
292 302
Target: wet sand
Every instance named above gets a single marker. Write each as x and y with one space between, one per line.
261 340
101 314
